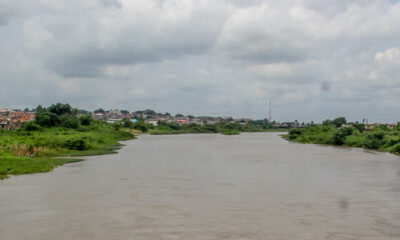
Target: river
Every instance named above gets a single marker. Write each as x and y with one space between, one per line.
205 186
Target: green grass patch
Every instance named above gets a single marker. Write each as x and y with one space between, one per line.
230 132
40 150
23 165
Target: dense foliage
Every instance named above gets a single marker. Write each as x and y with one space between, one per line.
226 127
353 134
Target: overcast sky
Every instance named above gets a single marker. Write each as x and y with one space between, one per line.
314 59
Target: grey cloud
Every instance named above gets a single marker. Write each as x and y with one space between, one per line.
137 38
206 57
8 10
111 3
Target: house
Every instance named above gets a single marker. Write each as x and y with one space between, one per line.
98 116
13 119
152 121
181 120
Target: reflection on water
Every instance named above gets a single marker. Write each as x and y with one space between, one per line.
251 186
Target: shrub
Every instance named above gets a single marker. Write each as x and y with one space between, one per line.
76 144
230 132
340 135
117 126
376 134
141 126
31 126
127 123
174 126
85 120
70 122
371 143
295 132
395 148
359 126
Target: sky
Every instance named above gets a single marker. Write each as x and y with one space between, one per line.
314 59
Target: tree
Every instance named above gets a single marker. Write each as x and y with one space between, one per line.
339 121
69 121
100 110
179 115
327 122
47 119
83 112
149 112
40 109
60 109
57 115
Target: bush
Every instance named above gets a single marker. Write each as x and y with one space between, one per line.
230 132
127 123
359 126
141 126
395 148
70 122
340 134
31 126
294 133
76 144
85 120
117 126
376 134
174 126
371 143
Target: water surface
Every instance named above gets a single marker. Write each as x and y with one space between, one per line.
251 186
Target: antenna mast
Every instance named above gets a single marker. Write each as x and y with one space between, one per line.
269 112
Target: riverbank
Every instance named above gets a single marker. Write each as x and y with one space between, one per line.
41 150
225 128
381 138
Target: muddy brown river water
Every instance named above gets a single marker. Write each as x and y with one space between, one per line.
251 186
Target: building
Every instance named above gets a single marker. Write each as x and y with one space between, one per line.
181 120
14 119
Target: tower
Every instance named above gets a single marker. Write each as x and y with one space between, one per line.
269 112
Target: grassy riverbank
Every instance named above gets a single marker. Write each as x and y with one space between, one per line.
56 134
225 128
353 135
23 151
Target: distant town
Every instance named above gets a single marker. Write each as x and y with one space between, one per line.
14 118
11 119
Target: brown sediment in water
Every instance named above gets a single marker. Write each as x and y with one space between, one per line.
250 186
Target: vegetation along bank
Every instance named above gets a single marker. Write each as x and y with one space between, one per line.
56 134
339 132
